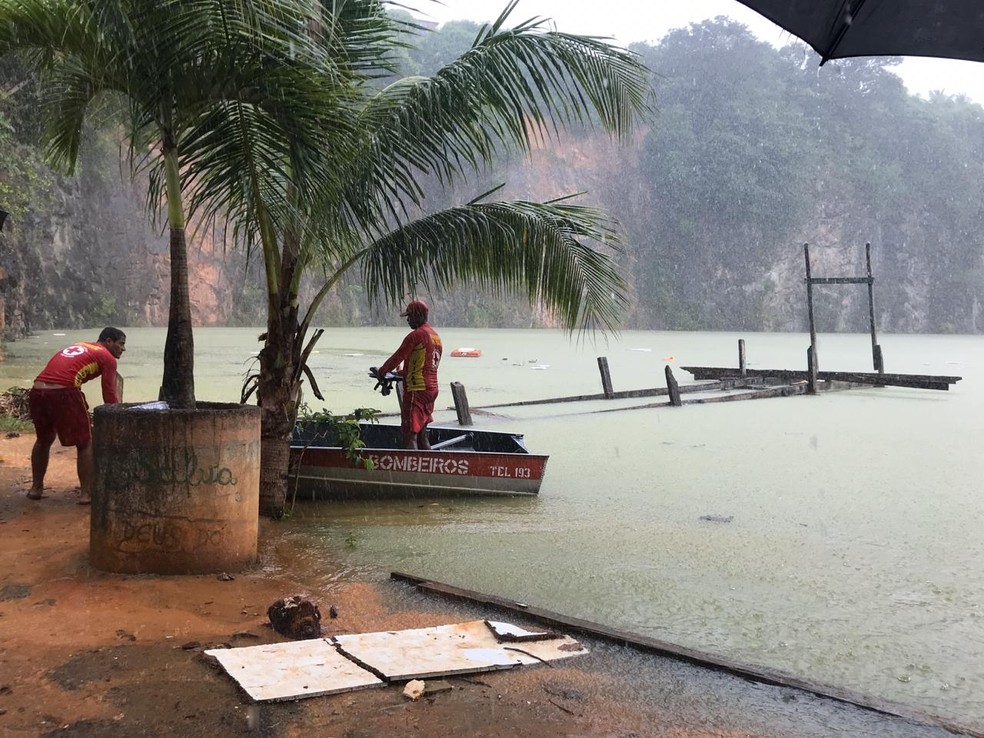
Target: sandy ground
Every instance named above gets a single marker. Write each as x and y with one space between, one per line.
85 653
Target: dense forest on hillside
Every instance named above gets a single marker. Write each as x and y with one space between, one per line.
754 151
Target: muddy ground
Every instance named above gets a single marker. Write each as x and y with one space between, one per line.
89 654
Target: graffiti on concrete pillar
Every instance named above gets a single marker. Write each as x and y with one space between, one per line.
170 467
168 536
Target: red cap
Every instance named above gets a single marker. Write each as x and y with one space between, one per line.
416 307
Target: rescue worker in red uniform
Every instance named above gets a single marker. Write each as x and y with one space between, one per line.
420 354
59 408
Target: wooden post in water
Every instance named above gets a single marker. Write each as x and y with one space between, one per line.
811 372
742 370
606 378
813 363
673 387
876 354
813 354
809 306
461 403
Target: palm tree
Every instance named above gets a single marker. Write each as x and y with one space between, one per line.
513 87
264 114
175 67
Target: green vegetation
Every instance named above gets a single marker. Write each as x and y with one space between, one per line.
14 425
757 151
14 411
325 428
338 430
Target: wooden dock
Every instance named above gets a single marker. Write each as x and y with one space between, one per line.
727 388
812 375
729 384
875 379
720 384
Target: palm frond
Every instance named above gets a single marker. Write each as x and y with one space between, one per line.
361 36
518 247
51 27
513 87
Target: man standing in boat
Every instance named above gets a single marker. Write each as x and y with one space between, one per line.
420 354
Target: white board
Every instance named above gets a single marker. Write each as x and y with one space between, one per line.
449 649
298 669
287 671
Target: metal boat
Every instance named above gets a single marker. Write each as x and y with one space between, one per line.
461 461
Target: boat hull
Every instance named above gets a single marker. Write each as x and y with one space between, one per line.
505 468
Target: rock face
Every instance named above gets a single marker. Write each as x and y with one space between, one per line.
90 256
96 258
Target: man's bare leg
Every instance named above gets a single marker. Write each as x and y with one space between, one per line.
40 454
87 472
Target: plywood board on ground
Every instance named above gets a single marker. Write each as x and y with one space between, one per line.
448 649
282 671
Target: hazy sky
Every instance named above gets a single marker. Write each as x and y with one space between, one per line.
639 20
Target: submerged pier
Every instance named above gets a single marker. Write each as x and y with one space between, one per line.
728 384
873 379
721 384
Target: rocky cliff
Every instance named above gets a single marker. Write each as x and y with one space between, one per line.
93 257
96 258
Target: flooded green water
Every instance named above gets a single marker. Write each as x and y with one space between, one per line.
853 553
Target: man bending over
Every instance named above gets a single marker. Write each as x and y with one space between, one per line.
59 408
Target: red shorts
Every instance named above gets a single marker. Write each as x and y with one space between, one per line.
63 412
418 410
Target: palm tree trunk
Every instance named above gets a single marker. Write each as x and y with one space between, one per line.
274 462
279 386
279 397
178 383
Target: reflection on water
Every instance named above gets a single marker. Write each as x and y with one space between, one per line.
852 555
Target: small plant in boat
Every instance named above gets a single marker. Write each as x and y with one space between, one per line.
340 430
337 430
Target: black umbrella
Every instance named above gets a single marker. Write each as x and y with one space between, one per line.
837 29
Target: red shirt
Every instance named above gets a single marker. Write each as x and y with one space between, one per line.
76 365
420 353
